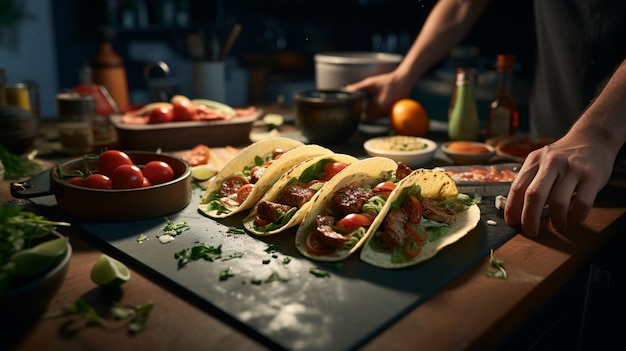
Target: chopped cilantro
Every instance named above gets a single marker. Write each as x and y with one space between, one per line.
320 273
499 272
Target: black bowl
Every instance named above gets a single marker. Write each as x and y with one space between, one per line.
328 116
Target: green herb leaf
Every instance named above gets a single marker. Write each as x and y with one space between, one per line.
499 272
320 273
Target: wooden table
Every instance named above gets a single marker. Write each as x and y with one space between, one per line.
472 312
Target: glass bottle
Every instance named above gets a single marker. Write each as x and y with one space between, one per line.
463 118
108 70
503 116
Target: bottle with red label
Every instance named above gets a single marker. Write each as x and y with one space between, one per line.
503 116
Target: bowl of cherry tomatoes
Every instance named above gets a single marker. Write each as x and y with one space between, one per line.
114 185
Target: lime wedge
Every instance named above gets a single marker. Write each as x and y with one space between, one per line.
109 272
40 258
273 121
202 173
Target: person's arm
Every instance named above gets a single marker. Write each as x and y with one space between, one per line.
446 25
568 174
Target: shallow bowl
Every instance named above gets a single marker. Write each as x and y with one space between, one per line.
111 205
470 153
412 151
24 304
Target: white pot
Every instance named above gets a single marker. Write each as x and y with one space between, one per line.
335 70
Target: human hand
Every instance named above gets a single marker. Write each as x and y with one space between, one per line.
383 91
567 175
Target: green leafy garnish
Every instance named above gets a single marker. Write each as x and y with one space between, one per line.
236 230
499 272
208 253
227 273
18 231
136 316
175 228
16 167
320 273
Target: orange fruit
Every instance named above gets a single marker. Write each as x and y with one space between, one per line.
408 117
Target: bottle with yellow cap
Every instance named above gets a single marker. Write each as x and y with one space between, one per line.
503 116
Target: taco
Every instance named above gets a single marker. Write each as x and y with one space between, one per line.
425 214
245 178
286 203
340 215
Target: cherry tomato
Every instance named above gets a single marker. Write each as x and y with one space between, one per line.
78 180
97 181
182 109
158 172
354 221
127 177
110 160
277 153
146 183
315 247
260 222
232 184
331 168
199 155
384 188
243 192
160 114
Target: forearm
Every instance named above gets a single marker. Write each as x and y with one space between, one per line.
605 118
447 24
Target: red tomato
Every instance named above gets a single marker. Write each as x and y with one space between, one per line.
158 172
78 180
277 153
182 109
161 114
97 181
260 222
412 247
199 155
315 247
110 160
231 185
243 192
384 188
354 221
331 168
127 177
146 183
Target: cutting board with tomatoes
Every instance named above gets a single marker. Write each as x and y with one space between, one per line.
289 302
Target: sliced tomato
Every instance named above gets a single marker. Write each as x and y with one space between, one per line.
199 155
384 188
232 184
260 222
416 210
412 247
243 192
418 233
354 221
277 153
331 168
316 247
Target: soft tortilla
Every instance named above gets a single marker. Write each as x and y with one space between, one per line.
433 184
363 172
295 152
282 182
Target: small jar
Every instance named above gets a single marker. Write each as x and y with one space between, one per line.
76 113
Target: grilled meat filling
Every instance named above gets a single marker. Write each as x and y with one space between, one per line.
325 232
393 233
271 211
438 214
350 199
296 194
403 171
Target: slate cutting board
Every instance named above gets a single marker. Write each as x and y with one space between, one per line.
300 311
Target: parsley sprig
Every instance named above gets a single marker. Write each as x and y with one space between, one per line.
499 272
